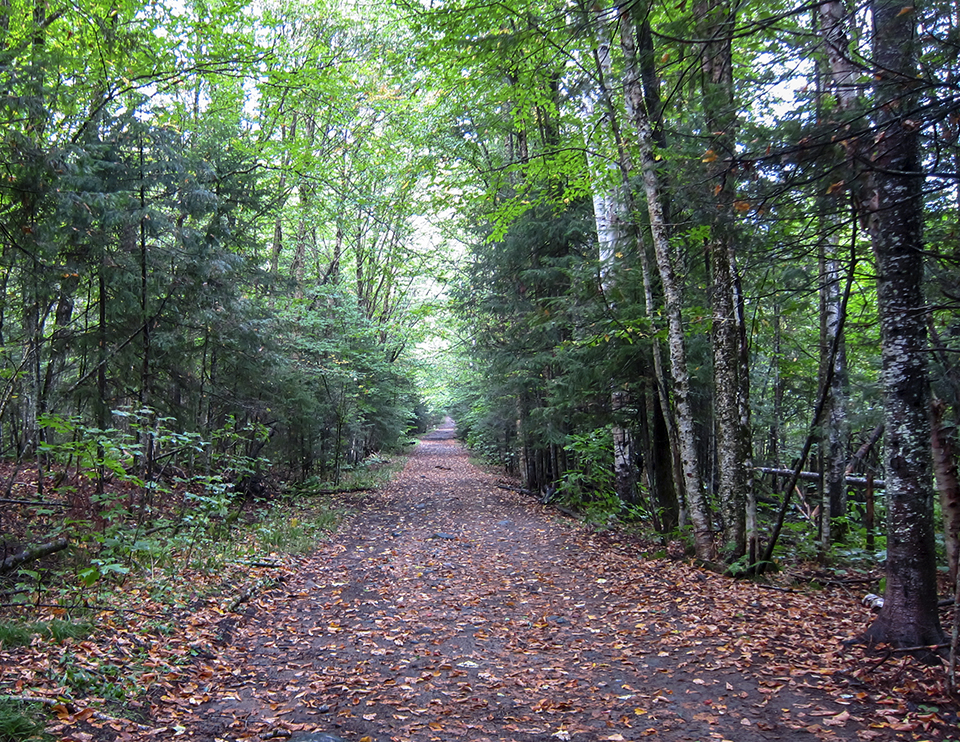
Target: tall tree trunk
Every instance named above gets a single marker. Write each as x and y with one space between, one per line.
909 615
659 469
611 208
616 213
837 432
697 505
101 405
744 438
30 384
666 447
840 77
715 22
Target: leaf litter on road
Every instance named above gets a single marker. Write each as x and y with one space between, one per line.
451 608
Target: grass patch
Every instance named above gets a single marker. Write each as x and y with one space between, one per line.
14 634
17 634
60 630
21 722
297 530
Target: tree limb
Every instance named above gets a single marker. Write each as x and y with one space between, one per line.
33 552
814 423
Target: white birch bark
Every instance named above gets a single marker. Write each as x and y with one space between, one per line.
689 460
840 78
611 210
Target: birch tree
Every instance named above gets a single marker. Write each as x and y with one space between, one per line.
840 82
694 487
612 206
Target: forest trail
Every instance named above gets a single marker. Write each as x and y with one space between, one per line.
450 608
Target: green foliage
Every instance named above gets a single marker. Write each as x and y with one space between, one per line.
235 224
589 486
70 443
143 215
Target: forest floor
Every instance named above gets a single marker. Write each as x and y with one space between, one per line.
452 607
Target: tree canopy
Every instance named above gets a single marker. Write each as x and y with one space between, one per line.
681 264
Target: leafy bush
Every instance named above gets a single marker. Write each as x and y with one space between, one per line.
590 485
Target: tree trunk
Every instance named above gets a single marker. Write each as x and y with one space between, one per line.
659 469
624 471
611 208
30 384
840 76
837 434
948 485
909 615
693 483
715 21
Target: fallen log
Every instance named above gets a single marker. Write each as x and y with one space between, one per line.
33 552
813 476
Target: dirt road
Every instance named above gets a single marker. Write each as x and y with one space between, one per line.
451 608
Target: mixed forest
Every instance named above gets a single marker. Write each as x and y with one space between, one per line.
691 266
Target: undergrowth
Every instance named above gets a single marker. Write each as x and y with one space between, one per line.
145 557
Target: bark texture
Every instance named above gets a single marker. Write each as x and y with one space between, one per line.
715 21
692 481
909 615
611 208
840 78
